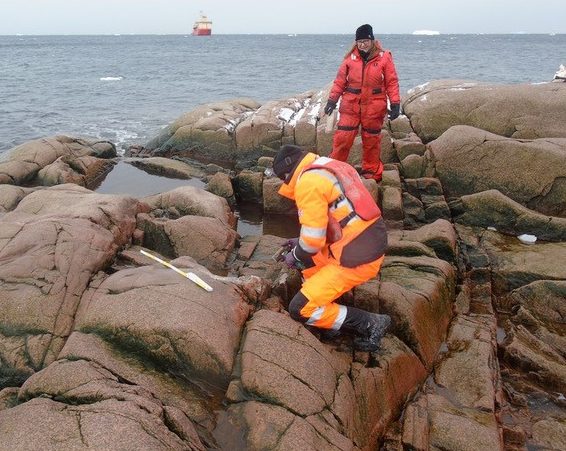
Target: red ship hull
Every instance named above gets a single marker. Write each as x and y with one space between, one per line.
202 32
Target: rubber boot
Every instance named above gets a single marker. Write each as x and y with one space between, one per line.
329 334
376 328
369 328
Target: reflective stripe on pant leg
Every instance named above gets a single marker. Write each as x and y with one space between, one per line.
327 285
337 320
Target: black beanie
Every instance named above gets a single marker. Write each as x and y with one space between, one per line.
286 160
364 32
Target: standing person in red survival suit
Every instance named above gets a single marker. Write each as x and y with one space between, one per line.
341 244
365 79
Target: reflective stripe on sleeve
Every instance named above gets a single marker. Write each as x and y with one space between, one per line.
326 174
313 232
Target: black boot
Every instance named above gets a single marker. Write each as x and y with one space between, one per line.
376 328
329 334
369 328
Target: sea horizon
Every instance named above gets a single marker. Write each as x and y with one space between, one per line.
126 87
188 33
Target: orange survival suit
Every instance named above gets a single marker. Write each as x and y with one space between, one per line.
364 86
337 266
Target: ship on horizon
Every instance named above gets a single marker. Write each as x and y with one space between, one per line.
202 26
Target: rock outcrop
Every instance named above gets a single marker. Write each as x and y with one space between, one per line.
102 347
468 160
57 160
516 111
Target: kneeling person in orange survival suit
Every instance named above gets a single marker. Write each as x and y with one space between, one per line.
341 244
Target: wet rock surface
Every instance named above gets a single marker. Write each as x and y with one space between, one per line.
104 348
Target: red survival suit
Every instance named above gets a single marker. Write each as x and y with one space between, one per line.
364 87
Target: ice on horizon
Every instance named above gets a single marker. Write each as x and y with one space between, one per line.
426 33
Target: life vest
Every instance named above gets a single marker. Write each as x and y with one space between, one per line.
352 188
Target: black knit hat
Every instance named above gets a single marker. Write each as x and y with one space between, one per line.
286 160
364 32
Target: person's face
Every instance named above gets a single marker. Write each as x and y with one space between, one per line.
364 44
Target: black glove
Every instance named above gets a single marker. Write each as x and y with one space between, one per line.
394 113
298 258
329 108
292 261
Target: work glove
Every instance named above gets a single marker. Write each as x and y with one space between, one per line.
394 113
291 243
329 108
292 261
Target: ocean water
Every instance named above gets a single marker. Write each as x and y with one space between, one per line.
126 88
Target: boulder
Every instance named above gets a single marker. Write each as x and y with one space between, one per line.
469 160
514 264
166 167
390 177
107 424
85 171
279 401
530 354
424 186
467 371
172 388
10 196
401 125
381 390
408 146
491 208
249 186
392 204
417 293
268 426
413 211
439 236
549 433
270 370
520 111
188 200
270 126
167 319
448 425
413 166
544 300
461 428
208 240
221 185
305 122
208 131
26 160
273 202
51 245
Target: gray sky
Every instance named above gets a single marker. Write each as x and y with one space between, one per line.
287 16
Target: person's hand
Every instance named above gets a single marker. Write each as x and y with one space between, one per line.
292 262
329 108
291 243
394 113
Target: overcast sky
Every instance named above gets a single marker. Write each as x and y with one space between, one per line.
276 16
